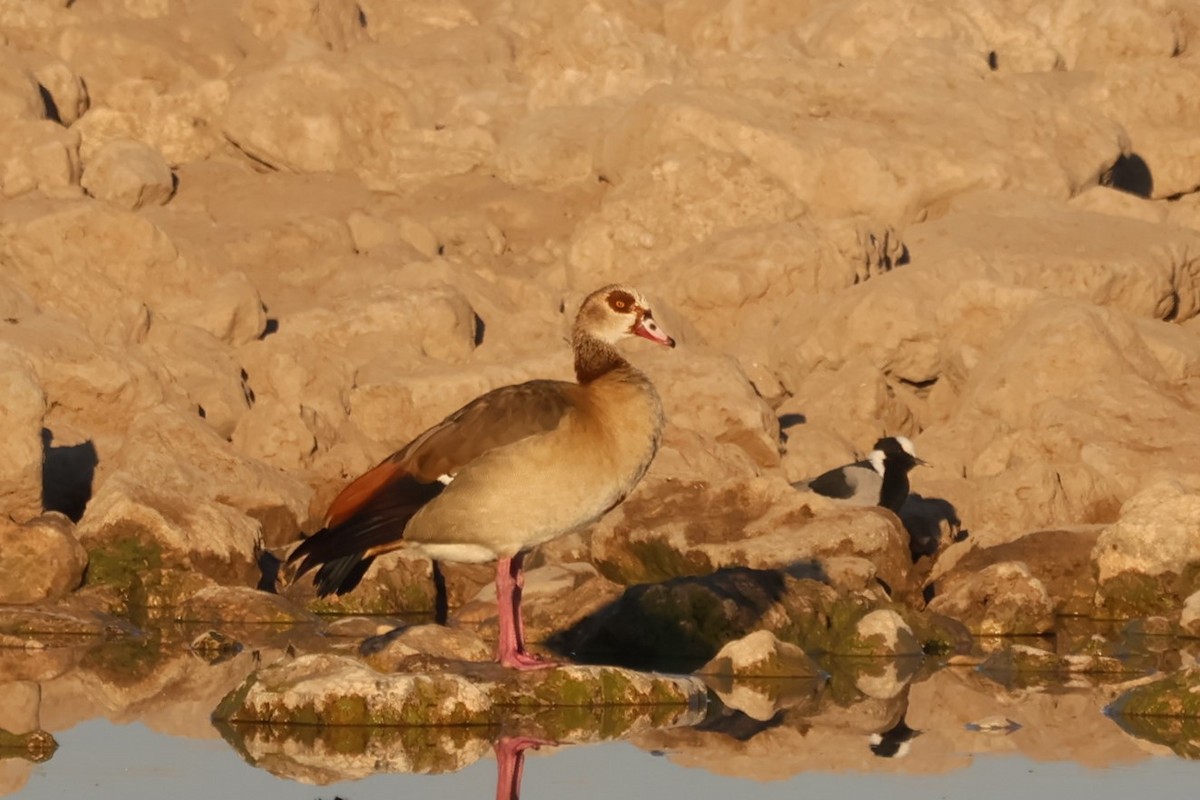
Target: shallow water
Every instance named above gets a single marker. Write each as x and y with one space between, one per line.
100 759
131 718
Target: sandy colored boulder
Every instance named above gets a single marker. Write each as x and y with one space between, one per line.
999 600
38 155
129 174
881 632
23 411
180 498
405 649
41 560
1146 562
240 605
760 654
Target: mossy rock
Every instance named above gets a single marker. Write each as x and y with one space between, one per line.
34 746
328 689
1133 595
1024 665
1176 695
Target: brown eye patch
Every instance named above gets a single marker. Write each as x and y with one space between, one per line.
621 301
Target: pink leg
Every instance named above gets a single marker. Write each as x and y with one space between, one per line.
511 648
510 764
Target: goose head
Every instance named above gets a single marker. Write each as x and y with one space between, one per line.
617 312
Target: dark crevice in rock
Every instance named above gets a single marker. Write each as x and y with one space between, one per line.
1130 173
67 474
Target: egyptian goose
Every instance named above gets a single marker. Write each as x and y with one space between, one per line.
881 479
508 471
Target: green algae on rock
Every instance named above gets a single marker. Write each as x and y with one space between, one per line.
32 745
1164 711
328 689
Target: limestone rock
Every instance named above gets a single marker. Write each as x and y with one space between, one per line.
1002 599
881 632
39 155
1060 559
1146 560
402 649
40 560
24 411
336 690
673 530
129 174
180 499
239 605
760 655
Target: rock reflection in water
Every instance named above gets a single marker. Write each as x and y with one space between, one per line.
324 754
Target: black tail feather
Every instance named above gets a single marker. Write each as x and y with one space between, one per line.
341 575
340 552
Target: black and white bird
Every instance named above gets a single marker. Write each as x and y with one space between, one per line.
881 479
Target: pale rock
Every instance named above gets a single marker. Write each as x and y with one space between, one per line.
1149 98
20 98
19 701
129 174
38 155
579 53
230 308
392 405
335 24
64 86
366 113
883 632
401 23
22 416
177 488
707 392
286 369
1143 560
373 234
374 328
93 390
241 605
1001 600
555 598
671 529
1060 559
759 655
389 652
1189 616
181 125
275 434
109 264
1140 267
1018 432
1118 203
1129 30
552 148
40 560
203 368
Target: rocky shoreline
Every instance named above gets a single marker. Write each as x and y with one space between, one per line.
246 250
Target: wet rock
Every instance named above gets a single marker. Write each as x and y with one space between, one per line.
555 597
999 600
336 690
180 499
128 174
21 453
760 655
404 649
40 560
1060 559
241 604
397 583
214 646
1164 711
1189 616
1022 665
690 529
1149 560
683 623
882 632
33 745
